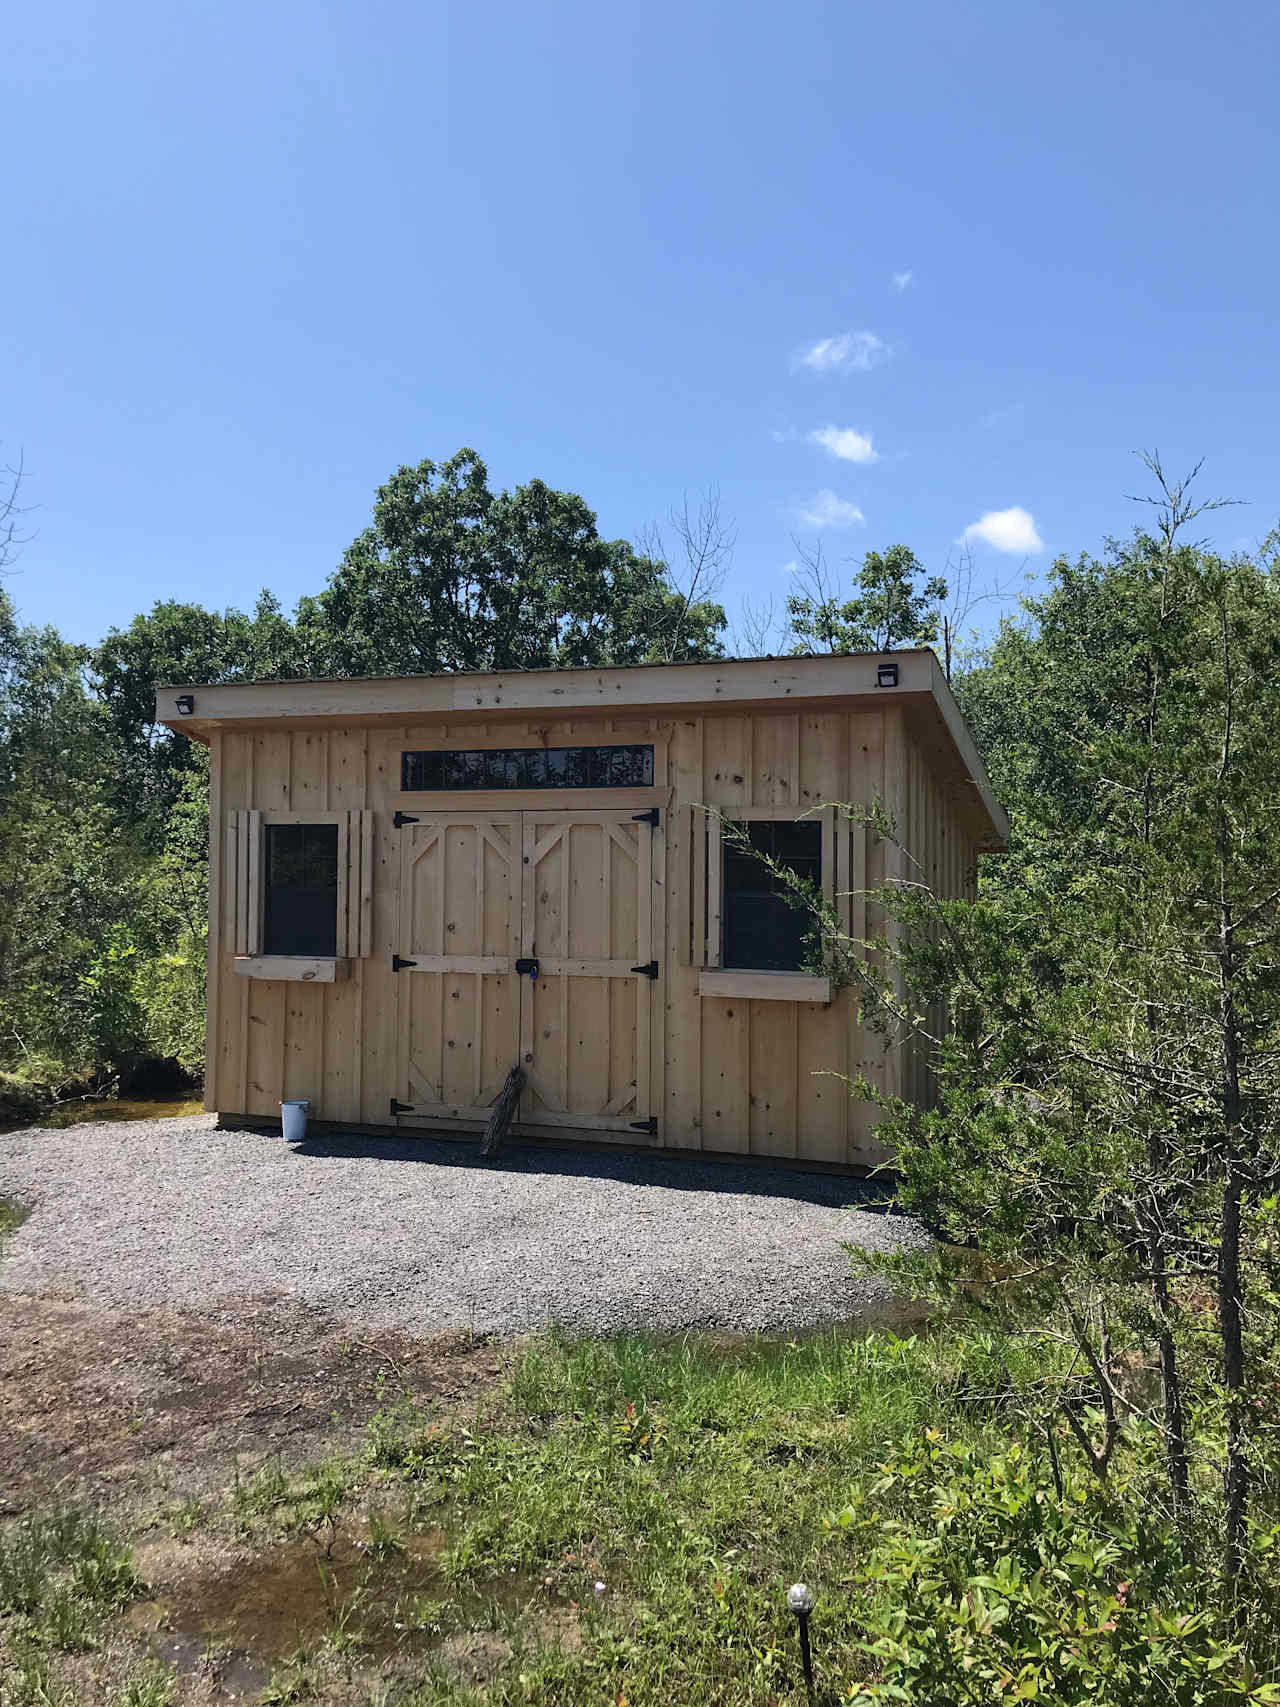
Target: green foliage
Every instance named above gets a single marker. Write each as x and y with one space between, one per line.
985 1582
154 1688
103 812
909 1481
61 1575
1105 1017
450 576
888 609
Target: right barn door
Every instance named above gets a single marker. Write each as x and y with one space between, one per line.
586 1019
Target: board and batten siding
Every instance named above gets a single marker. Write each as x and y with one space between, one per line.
732 1074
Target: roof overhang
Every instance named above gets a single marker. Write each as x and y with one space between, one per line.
723 685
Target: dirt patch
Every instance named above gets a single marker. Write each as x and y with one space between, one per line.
377 1594
121 1411
235 1620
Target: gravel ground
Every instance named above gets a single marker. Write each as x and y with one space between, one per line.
423 1237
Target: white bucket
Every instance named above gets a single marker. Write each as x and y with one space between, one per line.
293 1117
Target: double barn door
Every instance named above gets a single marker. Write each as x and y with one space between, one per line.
569 891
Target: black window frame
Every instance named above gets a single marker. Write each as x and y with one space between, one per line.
462 770
300 917
762 928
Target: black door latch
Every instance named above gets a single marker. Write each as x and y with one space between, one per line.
401 1107
403 818
650 1125
649 817
398 965
650 968
527 967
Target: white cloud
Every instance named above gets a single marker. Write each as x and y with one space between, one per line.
792 568
902 280
1012 530
846 353
783 435
845 443
826 510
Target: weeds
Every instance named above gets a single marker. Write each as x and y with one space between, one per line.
60 1574
153 1689
311 1500
12 1215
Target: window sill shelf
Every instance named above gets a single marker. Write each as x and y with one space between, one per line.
765 986
294 968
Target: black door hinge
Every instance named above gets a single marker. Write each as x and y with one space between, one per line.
650 968
401 1107
649 817
650 1125
398 965
403 818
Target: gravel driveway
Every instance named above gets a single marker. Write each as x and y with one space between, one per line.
423 1237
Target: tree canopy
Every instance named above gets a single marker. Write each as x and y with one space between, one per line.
895 603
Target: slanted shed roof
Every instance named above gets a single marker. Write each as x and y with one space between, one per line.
728 684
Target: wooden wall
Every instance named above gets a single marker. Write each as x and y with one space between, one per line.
759 1077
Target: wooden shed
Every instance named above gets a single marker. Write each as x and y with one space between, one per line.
417 882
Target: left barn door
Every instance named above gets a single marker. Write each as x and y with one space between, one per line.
460 930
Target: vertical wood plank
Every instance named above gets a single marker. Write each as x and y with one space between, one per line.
253 832
822 1094
242 882
844 831
715 888
366 883
701 819
866 786
646 989
726 780
679 872
680 1039
213 938
380 996
657 990
725 1073
828 866
772 1037
343 945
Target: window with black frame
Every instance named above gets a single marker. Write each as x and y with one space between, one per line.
300 893
764 931
629 766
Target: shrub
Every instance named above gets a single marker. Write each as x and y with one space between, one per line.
983 1583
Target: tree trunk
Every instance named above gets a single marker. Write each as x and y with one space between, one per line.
1236 1477
1175 1425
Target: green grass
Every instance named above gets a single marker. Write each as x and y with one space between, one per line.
695 1483
12 1215
61 1578
621 1523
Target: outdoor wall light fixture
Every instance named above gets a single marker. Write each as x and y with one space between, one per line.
886 675
800 1599
186 704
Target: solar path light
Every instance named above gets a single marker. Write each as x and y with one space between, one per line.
800 1598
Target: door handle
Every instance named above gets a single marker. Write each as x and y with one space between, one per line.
528 965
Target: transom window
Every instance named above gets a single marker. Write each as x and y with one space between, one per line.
527 767
300 915
763 930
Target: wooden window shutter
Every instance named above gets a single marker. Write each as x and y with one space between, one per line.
355 886
701 867
242 881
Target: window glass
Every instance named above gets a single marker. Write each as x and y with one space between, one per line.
527 767
763 931
300 915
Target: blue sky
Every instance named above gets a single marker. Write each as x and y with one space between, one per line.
257 256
